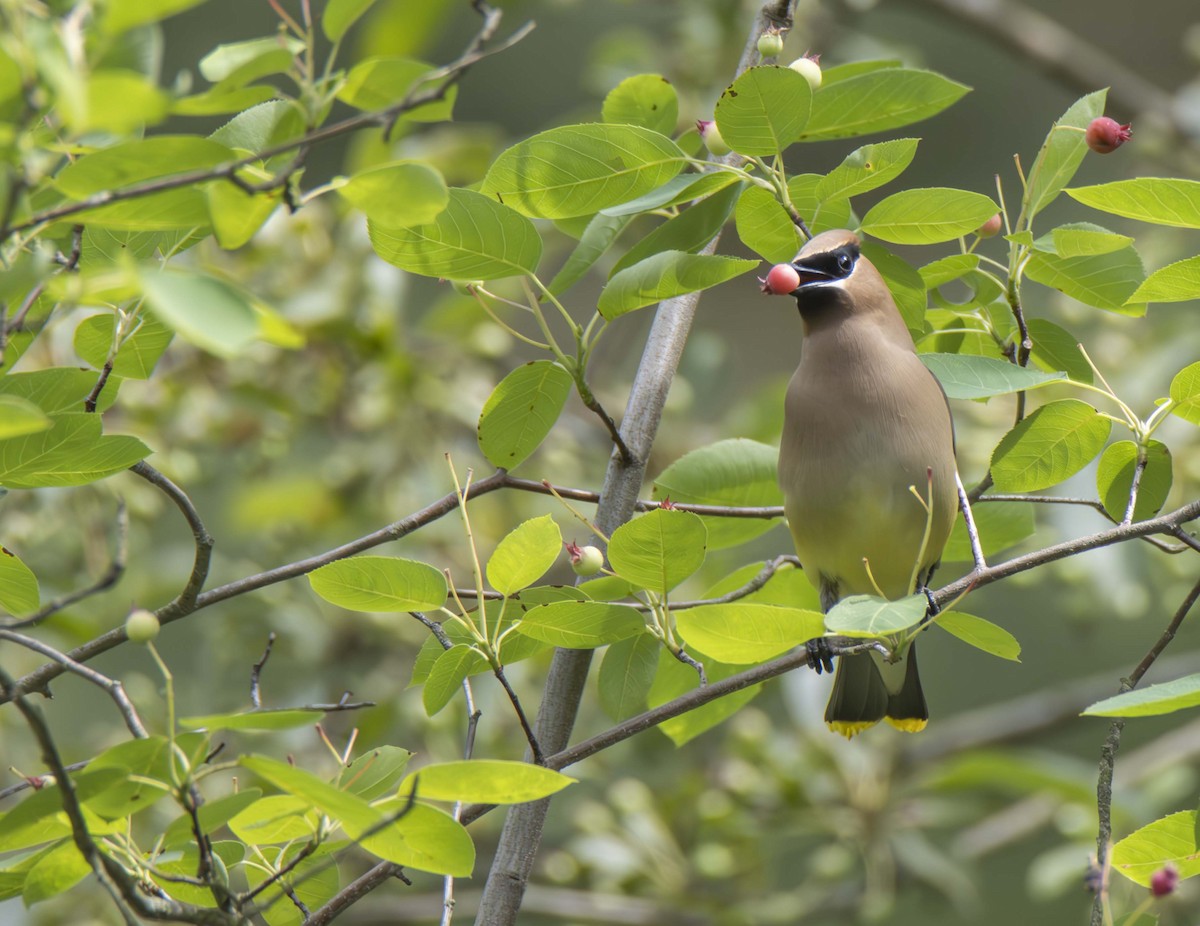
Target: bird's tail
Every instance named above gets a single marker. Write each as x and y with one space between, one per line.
861 698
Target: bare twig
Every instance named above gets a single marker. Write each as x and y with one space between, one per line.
1108 753
111 686
530 737
112 575
256 672
964 504
1139 469
186 599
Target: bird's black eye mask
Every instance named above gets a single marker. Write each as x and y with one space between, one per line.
828 266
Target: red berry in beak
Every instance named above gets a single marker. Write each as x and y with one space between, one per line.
781 280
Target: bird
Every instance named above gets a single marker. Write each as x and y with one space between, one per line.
865 424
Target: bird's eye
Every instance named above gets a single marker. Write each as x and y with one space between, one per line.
845 264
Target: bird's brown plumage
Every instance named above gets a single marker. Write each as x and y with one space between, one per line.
864 421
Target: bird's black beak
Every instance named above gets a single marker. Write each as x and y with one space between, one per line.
809 274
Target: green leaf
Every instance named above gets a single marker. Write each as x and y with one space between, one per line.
738 633
1081 239
473 238
1106 281
340 15
658 550
235 64
274 819
56 390
19 417
524 555
352 811
380 584
1158 200
149 766
581 624
311 880
36 819
680 189
927 216
55 873
1185 393
237 215
134 162
521 411
581 169
261 126
647 100
256 720
877 100
18 585
379 83
673 678
213 814
735 473
867 168
424 838
1051 445
788 586
765 227
446 676
868 615
965 376
1001 525
73 452
123 15
374 773
398 195
484 781
206 311
666 274
626 674
138 354
1114 478
980 634
1170 839
1055 348
689 231
1177 282
601 231
1061 153
116 101
764 110
947 269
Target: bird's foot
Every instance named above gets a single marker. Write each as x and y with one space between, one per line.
820 659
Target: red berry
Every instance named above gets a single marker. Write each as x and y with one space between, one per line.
991 227
1163 881
1106 135
780 280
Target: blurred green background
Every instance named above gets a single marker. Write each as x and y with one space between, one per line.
767 819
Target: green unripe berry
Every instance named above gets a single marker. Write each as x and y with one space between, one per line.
586 561
770 44
711 136
141 626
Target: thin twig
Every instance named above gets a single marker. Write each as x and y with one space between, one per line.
111 686
1138 469
530 736
1108 754
186 599
256 672
964 504
112 575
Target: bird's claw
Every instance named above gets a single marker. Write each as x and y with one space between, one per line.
820 659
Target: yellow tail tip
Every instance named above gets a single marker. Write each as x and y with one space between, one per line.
850 728
908 724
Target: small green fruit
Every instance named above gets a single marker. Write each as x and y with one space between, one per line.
770 44
586 561
141 626
711 136
809 69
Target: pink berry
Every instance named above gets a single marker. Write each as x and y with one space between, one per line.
1163 881
991 227
780 280
1106 135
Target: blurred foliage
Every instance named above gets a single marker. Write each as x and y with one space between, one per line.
291 449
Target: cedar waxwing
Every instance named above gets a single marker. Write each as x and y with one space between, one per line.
864 420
